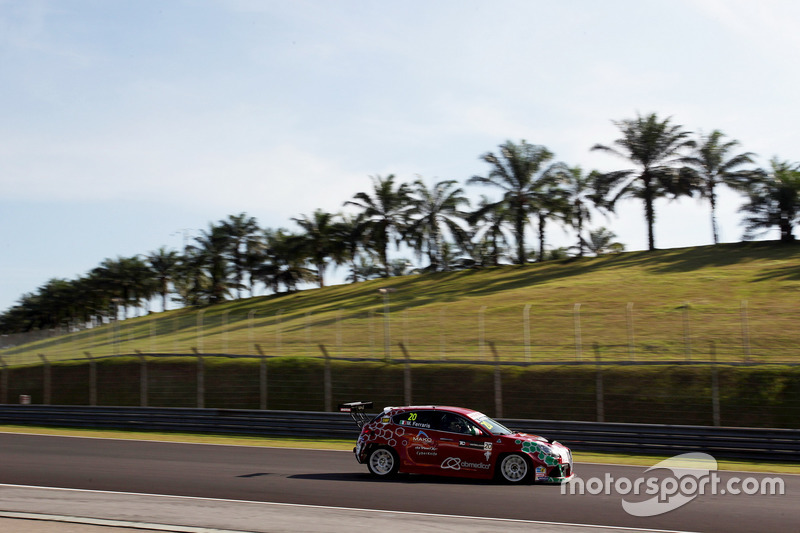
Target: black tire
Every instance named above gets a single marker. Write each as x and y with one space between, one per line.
514 468
382 462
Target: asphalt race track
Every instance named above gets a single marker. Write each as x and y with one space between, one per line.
274 489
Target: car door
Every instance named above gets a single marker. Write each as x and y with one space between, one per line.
464 448
415 436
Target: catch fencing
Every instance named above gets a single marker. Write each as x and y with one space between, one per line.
601 391
742 331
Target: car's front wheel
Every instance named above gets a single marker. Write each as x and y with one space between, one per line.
515 468
382 462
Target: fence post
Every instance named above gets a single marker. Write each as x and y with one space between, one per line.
307 330
46 381
92 379
576 317
339 331
601 411
225 330
176 323
481 333
142 379
442 335
200 330
263 383
406 340
153 333
201 381
498 383
526 331
406 375
250 316
371 318
326 379
629 320
714 386
745 331
687 339
278 331
3 381
387 331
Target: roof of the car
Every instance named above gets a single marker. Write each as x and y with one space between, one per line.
460 410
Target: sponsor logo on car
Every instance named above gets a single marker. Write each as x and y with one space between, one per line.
455 463
422 438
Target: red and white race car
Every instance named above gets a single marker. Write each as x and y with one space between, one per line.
454 441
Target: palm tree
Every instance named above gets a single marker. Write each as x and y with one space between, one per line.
433 213
774 200
656 148
285 259
383 213
55 303
489 240
191 282
602 241
164 264
211 248
580 196
240 229
520 172
125 279
550 202
254 257
321 241
713 164
351 233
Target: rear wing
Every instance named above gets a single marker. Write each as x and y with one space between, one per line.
357 411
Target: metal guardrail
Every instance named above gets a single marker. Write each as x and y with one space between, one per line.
749 443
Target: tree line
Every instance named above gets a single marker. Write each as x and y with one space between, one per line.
437 222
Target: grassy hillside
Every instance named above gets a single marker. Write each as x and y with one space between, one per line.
735 302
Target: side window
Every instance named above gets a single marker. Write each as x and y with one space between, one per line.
457 424
415 419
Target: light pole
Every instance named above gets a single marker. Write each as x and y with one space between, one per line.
387 341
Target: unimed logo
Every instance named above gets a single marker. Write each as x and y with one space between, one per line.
690 475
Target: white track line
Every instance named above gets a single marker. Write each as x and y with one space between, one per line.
355 509
113 523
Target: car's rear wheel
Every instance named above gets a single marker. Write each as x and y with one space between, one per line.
382 462
515 468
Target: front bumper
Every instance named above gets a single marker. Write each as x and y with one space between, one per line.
561 473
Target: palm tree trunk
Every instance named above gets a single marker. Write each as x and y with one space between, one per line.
320 269
542 222
519 234
713 201
649 213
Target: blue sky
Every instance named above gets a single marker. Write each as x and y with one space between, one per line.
126 124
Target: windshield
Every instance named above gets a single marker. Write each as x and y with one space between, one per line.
492 426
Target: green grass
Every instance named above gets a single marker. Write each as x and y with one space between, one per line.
347 445
742 306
